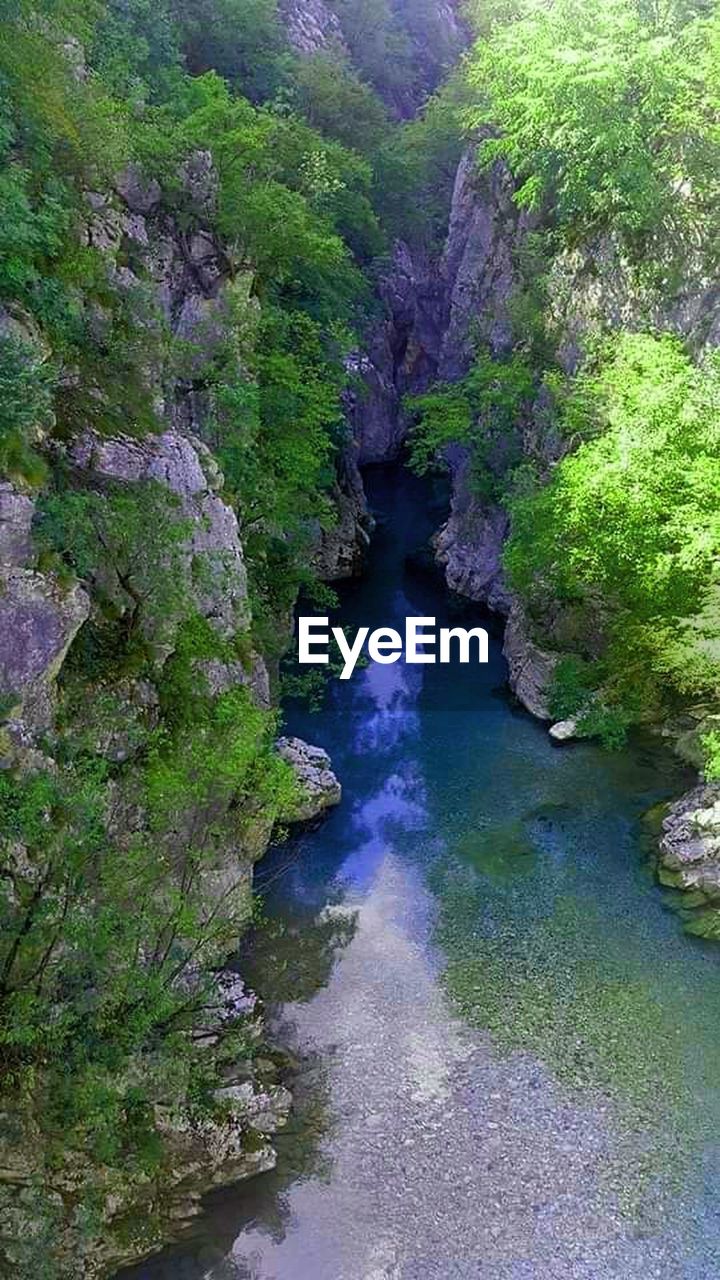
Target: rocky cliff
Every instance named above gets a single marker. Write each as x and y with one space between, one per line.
171 551
426 39
436 314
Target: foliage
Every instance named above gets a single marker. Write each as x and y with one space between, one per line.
403 48
379 44
572 684
416 164
631 518
711 748
127 544
240 39
114 898
482 412
338 103
26 386
606 114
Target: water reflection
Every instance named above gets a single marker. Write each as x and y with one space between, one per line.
472 860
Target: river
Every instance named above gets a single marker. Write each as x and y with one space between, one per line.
509 1052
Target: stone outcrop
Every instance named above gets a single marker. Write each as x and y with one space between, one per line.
689 854
401 353
184 467
478 269
312 767
433 35
182 283
139 1213
311 25
39 619
469 546
340 549
531 667
594 287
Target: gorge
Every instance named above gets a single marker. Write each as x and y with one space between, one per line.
475 879
374 311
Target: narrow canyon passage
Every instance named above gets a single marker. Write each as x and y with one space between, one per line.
509 1053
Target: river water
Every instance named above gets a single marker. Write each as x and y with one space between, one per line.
509 1052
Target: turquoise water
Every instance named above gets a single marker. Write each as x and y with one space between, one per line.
509 1053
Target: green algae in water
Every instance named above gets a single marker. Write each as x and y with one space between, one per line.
549 987
550 990
502 853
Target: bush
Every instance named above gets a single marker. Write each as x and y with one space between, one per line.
630 519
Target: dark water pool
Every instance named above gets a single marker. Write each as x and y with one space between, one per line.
511 1053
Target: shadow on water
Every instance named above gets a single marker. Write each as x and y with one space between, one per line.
510 1052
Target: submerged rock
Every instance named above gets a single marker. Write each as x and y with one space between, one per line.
313 770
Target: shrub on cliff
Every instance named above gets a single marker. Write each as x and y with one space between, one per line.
631 519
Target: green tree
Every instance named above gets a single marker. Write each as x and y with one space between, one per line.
629 522
606 118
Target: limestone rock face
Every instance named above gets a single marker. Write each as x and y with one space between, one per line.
401 353
690 841
341 549
477 268
16 517
434 36
594 287
38 622
531 668
185 467
313 770
39 619
141 194
470 545
139 1214
311 25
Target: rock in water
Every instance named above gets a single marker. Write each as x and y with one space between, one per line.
690 843
564 730
313 770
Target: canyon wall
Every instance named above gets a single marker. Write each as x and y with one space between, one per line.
191 548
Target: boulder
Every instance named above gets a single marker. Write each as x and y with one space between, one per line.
690 841
564 730
313 769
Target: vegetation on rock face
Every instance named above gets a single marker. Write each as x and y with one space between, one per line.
193 215
481 412
602 436
606 115
630 518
